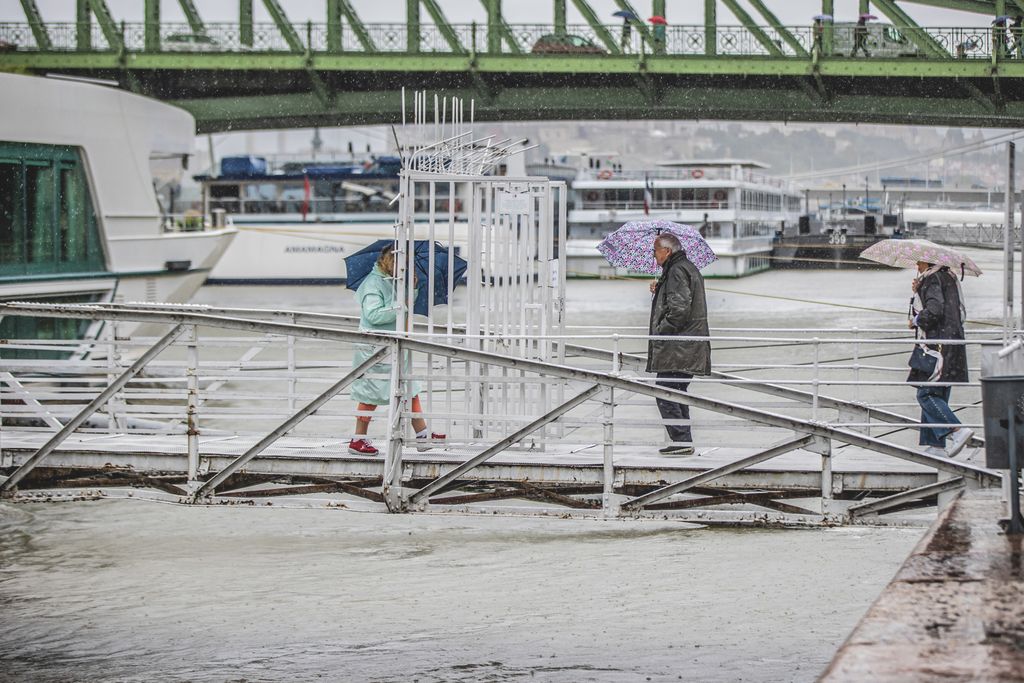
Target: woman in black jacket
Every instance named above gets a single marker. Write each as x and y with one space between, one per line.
941 316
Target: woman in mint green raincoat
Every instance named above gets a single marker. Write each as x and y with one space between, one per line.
376 296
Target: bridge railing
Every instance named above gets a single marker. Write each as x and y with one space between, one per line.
222 375
679 40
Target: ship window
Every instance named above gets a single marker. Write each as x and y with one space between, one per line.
10 214
47 222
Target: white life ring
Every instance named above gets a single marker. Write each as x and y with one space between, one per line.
605 174
719 195
696 173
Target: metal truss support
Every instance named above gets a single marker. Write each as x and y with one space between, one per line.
19 390
83 26
710 28
392 479
152 28
783 32
908 26
449 34
93 406
412 26
505 31
35 21
334 42
195 22
711 475
560 18
210 485
600 30
828 30
441 482
107 24
283 25
755 30
245 23
897 499
357 26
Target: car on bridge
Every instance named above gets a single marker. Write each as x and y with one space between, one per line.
554 44
190 42
883 40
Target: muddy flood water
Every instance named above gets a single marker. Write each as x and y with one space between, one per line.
141 591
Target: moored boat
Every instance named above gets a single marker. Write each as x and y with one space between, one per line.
79 218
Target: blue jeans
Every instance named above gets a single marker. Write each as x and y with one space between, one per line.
935 410
675 411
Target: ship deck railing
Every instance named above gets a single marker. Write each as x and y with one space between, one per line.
794 427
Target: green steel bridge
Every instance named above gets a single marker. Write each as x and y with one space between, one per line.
342 71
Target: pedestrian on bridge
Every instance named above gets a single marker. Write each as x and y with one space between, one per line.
940 315
1017 33
376 295
860 36
679 308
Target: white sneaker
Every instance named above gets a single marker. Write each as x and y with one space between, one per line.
958 440
936 451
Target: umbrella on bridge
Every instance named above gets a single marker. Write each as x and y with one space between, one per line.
360 264
868 17
906 254
1001 19
626 15
632 245
822 17
658 19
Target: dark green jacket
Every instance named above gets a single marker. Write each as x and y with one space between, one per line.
679 308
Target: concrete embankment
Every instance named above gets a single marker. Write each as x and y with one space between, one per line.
954 611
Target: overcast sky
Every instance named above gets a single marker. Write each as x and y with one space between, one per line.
793 12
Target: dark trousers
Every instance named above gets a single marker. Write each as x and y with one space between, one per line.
675 411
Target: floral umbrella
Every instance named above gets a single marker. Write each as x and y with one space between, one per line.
906 254
632 245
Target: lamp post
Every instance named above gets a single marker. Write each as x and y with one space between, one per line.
844 199
866 202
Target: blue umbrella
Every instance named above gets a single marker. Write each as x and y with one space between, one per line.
626 15
360 264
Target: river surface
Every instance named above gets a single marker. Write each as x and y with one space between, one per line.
140 591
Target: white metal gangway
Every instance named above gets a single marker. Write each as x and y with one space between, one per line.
784 445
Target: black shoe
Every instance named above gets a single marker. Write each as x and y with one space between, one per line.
680 449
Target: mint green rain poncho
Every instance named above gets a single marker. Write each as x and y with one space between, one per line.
376 296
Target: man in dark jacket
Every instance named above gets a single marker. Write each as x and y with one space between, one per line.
679 308
941 317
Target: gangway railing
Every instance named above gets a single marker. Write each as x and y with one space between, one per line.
407 482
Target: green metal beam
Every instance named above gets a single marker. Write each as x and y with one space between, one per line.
907 25
710 28
560 18
865 7
412 23
828 30
83 26
334 42
506 32
774 22
35 21
600 30
195 22
755 30
245 23
357 26
449 34
284 26
107 24
152 28
771 102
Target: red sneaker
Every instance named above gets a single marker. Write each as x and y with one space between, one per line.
425 443
361 447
